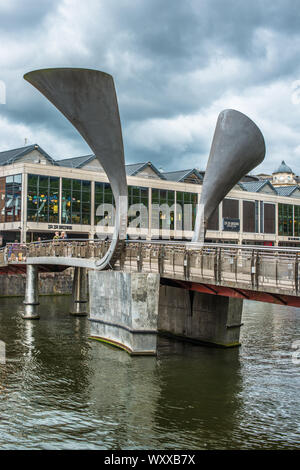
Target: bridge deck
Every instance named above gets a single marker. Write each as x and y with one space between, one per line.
243 268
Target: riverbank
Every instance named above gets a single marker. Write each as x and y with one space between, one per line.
13 285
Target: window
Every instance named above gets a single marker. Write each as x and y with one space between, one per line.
269 218
138 206
231 208
163 209
250 216
76 202
297 221
213 221
187 204
285 219
104 204
10 198
43 199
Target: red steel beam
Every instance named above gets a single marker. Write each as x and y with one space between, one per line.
290 300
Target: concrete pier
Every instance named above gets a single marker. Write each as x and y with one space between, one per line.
124 310
204 318
79 302
31 301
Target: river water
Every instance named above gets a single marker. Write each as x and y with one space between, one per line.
60 390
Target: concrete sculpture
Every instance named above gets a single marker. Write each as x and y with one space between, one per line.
238 146
87 98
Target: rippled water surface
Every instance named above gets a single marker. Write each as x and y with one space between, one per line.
60 390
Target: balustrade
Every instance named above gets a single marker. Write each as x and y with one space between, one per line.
247 267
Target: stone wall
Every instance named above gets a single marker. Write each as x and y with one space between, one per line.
49 284
200 317
124 309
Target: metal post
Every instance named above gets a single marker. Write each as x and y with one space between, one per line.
161 255
296 273
257 265
253 270
139 259
220 266
31 301
186 264
79 293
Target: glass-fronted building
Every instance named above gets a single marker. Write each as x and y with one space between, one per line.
38 196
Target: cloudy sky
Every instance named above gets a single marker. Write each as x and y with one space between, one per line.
176 65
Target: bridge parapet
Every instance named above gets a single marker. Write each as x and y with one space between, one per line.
256 268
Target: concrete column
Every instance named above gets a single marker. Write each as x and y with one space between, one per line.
203 318
79 293
31 301
124 310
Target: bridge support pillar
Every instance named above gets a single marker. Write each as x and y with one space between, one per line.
203 318
124 310
31 301
79 293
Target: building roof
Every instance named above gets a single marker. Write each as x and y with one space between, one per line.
182 175
134 168
255 186
76 162
283 168
10 156
249 178
287 190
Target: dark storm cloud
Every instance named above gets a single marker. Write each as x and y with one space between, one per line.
175 64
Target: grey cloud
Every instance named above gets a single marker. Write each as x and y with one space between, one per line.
154 51
17 16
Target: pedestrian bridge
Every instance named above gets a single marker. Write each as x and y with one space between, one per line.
261 273
183 289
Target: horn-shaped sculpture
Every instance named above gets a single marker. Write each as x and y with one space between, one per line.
238 146
87 98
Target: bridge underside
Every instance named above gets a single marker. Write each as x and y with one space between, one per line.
22 269
288 300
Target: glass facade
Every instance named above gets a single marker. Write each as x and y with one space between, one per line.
10 198
163 209
76 202
250 216
138 206
186 204
297 221
269 218
231 209
43 199
213 221
285 219
104 204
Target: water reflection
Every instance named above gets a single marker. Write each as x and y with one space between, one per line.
60 390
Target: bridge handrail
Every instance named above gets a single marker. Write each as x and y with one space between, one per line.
168 244
251 266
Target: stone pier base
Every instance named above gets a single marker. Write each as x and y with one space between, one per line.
204 318
124 310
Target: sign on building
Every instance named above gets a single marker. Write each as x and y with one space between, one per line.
231 225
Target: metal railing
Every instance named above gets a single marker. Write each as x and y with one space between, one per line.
243 266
